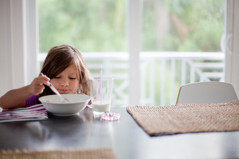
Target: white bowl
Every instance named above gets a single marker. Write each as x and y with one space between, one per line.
53 104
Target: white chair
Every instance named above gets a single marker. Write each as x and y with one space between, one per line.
206 92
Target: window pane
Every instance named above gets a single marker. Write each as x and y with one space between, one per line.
88 25
180 44
97 28
183 25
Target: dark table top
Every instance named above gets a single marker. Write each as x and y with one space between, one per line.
126 137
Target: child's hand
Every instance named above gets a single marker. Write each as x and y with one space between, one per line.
37 85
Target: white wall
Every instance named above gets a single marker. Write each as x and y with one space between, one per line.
18 43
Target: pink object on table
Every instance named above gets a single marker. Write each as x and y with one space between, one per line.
110 116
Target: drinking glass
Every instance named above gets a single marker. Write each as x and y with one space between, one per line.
101 92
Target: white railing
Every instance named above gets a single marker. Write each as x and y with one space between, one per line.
161 73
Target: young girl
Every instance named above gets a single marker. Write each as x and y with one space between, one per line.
64 66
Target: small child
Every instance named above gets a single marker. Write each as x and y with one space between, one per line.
64 66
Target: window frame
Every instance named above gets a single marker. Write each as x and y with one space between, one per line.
19 36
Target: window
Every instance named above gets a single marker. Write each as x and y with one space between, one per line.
90 26
182 25
180 42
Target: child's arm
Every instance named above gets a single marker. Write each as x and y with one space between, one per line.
17 97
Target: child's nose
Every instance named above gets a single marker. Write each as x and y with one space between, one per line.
65 82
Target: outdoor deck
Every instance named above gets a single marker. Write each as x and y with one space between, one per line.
161 73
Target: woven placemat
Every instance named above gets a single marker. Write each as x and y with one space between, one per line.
187 118
104 153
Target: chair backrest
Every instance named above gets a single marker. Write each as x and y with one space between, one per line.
206 92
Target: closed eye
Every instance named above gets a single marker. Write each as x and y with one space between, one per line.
72 78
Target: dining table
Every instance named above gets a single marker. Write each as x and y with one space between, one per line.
128 140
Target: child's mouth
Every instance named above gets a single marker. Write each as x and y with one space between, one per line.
64 91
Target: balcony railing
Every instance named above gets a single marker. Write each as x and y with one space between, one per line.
161 73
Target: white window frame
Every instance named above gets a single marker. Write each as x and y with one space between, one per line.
19 44
232 43
134 36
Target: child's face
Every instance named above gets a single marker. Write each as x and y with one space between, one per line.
66 82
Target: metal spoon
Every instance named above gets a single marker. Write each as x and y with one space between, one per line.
63 99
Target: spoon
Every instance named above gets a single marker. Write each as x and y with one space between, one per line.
63 99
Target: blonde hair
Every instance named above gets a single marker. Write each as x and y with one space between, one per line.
59 58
